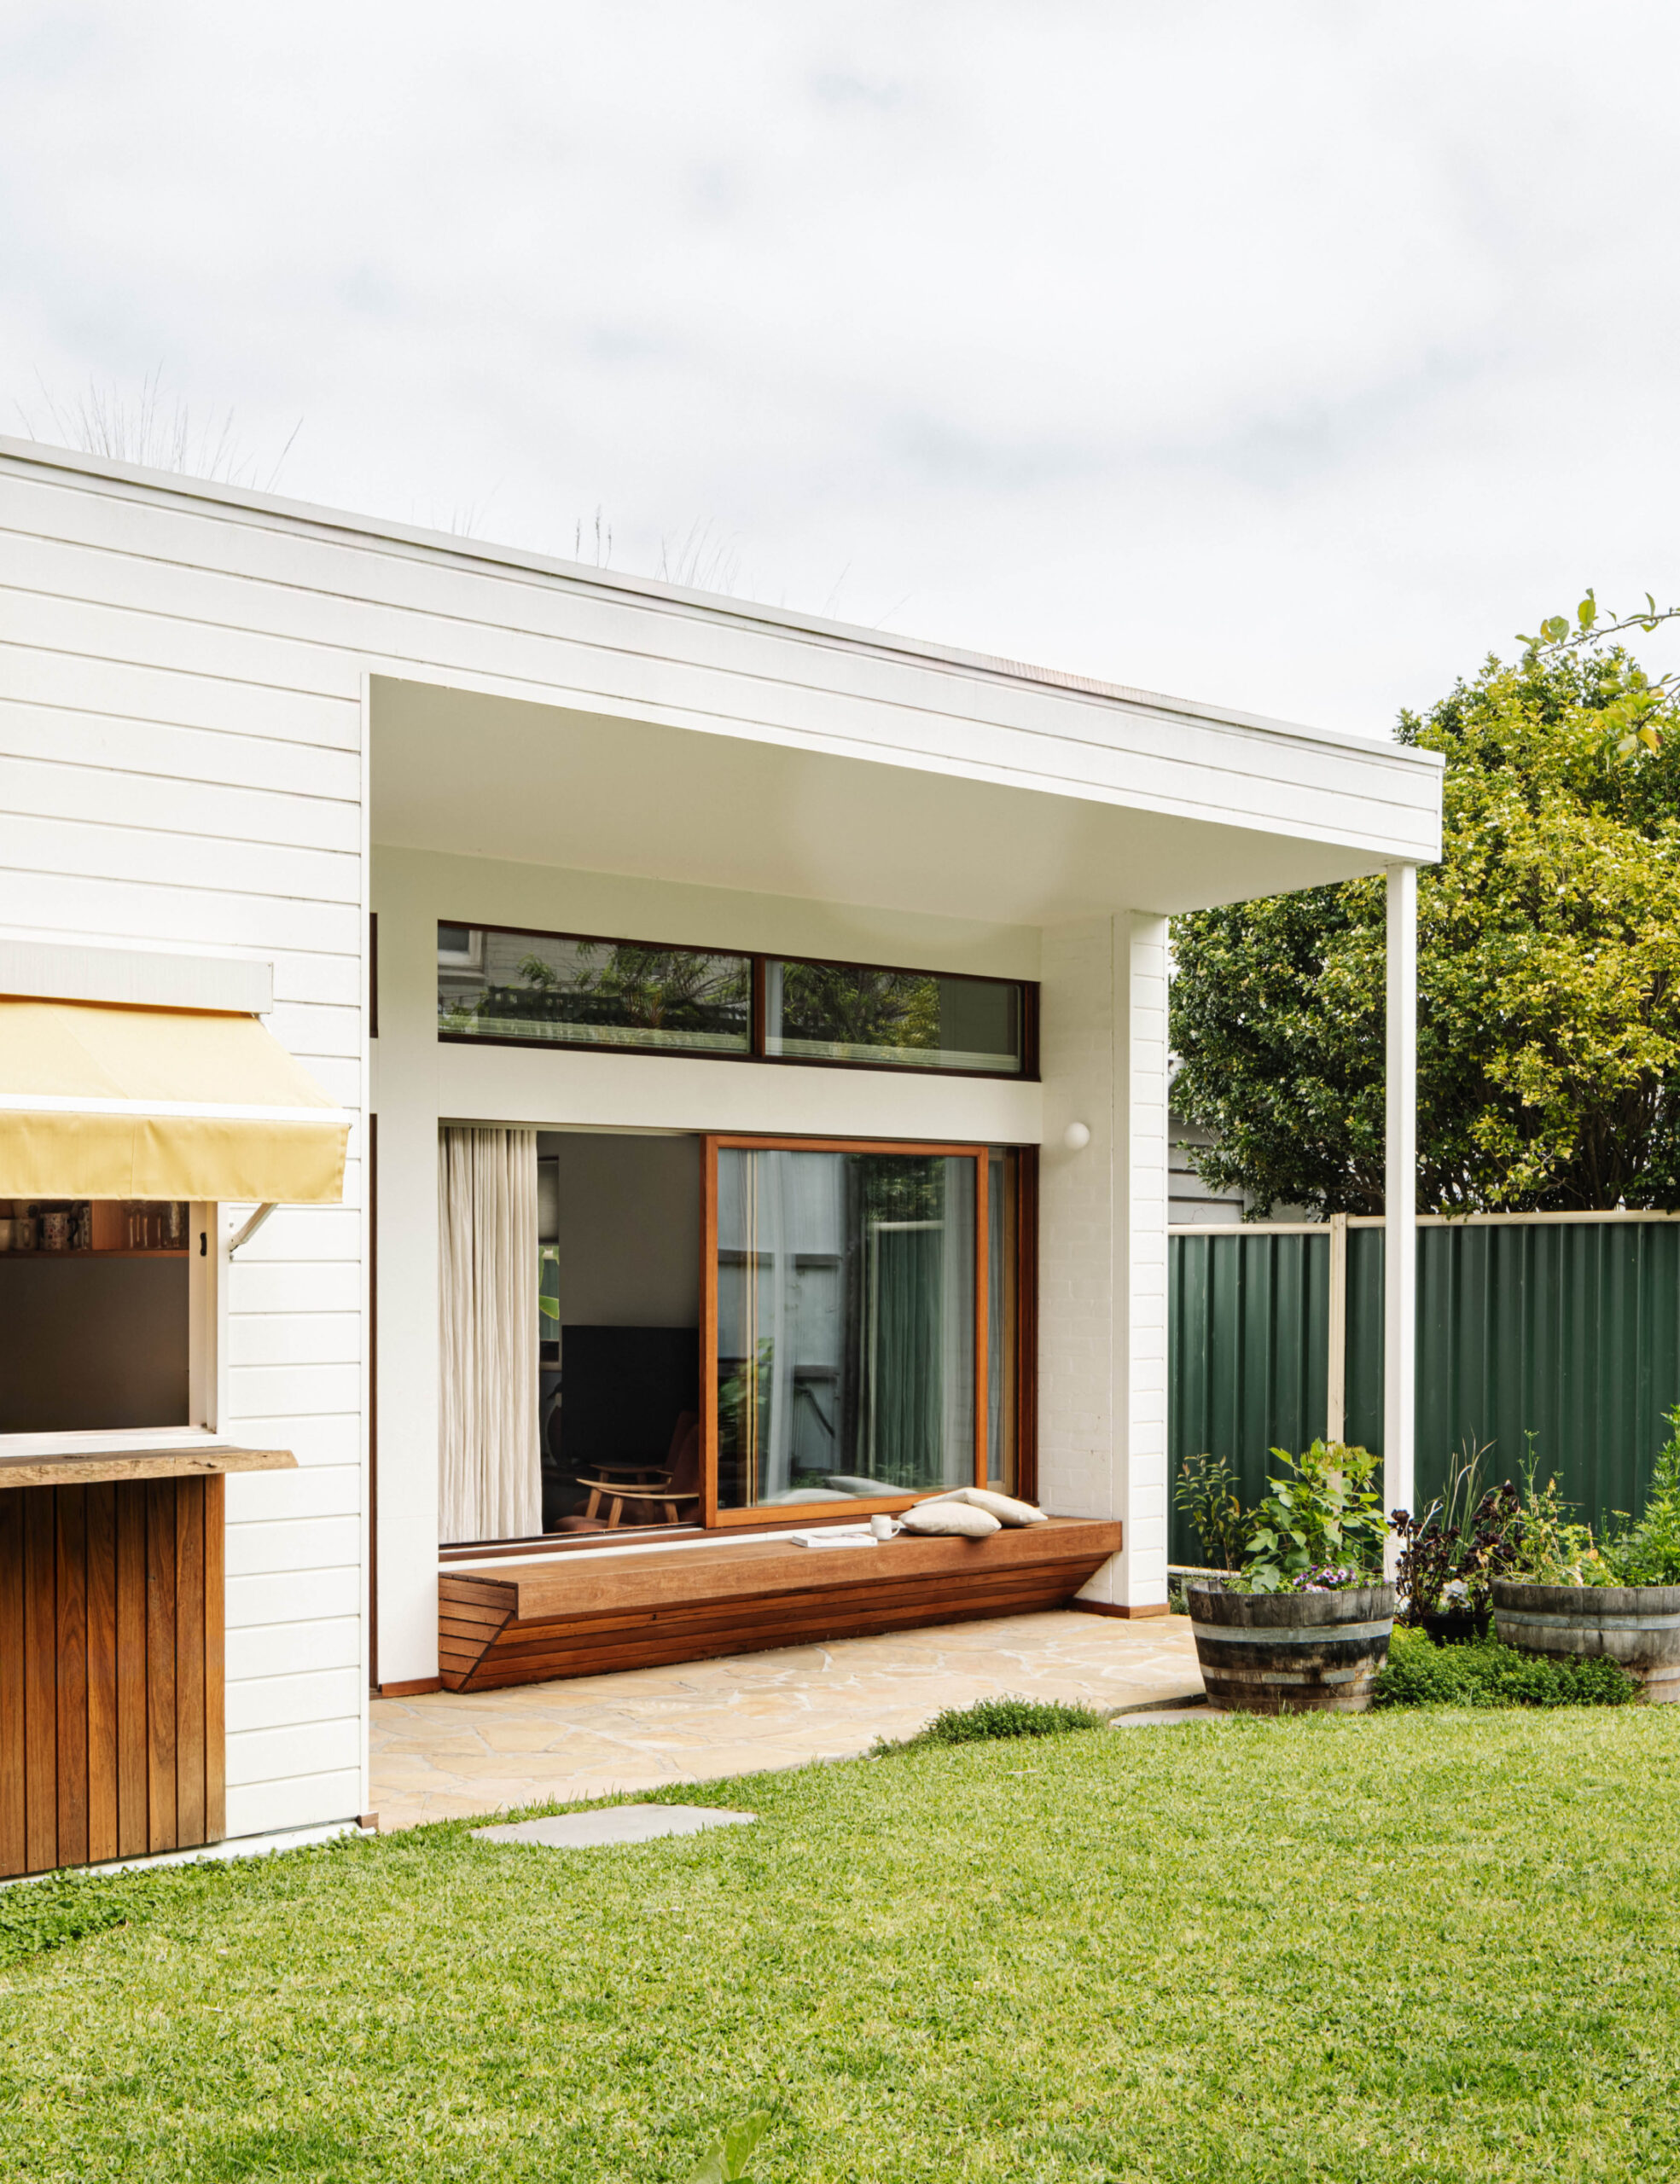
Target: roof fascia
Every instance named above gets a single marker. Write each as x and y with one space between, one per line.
449 546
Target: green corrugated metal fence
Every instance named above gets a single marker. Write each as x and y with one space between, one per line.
1570 1330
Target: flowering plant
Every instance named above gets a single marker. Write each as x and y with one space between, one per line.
1332 1578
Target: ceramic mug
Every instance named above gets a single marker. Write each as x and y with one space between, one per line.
55 1232
883 1527
23 1233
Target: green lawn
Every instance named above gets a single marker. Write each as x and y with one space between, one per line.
1414 1946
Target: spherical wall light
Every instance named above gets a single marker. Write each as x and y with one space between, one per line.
1077 1136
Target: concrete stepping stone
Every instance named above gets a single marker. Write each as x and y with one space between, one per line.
1165 1717
583 1831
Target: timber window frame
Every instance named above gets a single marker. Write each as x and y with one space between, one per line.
1018 1336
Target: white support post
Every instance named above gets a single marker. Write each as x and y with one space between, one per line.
1336 1394
1399 1281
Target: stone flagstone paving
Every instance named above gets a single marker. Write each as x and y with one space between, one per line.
452 1753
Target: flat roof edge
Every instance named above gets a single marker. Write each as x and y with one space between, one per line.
249 501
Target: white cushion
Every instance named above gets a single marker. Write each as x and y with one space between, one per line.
1000 1506
949 1518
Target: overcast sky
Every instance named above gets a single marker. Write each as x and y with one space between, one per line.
1291 355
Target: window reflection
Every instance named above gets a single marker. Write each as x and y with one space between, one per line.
547 989
846 1325
909 1019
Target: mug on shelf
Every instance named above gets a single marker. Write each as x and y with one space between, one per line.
23 1232
56 1230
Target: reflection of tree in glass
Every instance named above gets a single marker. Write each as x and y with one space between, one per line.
675 987
902 1187
651 989
859 1008
737 1395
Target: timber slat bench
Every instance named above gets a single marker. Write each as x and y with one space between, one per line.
587 1613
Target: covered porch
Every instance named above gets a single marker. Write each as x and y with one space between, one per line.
1016 857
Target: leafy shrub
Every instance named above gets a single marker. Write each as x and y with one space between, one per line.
42 1915
1648 1552
1000 1717
1206 1495
1552 1549
1556 1550
1485 1673
1325 1518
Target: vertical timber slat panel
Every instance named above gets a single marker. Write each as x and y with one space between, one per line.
133 1820
215 1661
189 1659
111 1671
101 1600
40 1666
13 1850
160 1664
71 1549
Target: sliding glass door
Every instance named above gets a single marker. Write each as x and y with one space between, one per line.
857 1312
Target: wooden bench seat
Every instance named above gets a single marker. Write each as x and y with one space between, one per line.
584 1613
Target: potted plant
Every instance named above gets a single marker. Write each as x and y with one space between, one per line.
1303 1626
1450 1555
1619 1596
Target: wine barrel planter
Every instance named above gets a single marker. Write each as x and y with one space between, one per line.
1291 1653
1638 1625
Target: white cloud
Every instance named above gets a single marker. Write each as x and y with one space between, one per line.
1291 355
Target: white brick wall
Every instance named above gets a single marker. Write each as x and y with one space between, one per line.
1102 1309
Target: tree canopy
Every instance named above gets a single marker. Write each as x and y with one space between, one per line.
1548 970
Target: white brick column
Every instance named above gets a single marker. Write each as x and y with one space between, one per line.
1103 1246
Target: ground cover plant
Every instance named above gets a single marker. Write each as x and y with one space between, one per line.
1008 1716
1485 1673
1412 1946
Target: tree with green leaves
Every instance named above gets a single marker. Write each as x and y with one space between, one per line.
1548 965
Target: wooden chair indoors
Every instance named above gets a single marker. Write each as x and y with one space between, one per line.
641 1494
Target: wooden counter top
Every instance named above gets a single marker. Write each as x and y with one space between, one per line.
91 1467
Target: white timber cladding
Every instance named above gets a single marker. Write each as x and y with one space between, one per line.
192 579
158 796
1103 1250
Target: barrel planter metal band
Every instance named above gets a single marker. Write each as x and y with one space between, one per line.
1291 1653
1638 1625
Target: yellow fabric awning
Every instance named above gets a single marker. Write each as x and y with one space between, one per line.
155 1103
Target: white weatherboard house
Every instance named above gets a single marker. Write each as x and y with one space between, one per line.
527 1093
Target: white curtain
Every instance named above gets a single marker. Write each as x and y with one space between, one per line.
489 1466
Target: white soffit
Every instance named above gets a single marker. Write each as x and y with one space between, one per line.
480 776
132 978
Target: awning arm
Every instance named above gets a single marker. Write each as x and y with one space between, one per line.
252 1226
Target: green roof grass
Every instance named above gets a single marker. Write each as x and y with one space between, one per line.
1412 1946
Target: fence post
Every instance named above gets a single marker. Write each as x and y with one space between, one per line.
1335 1399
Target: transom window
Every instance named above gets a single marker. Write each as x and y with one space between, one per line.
538 989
